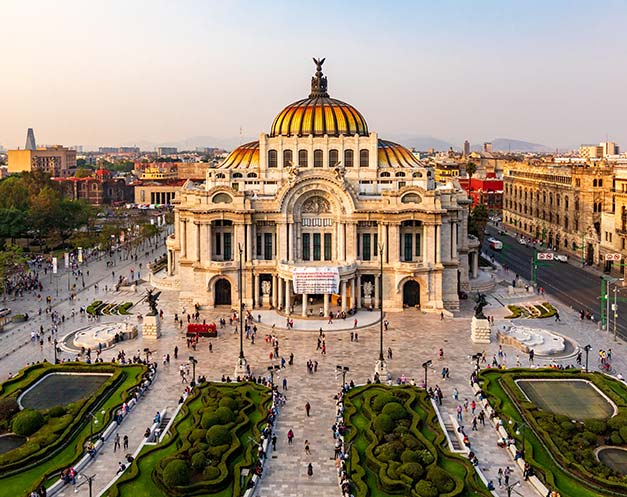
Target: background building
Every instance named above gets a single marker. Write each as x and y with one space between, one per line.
166 150
99 189
56 160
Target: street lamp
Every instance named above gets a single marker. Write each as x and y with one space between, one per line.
94 421
88 480
272 369
510 487
56 361
521 427
380 367
342 370
587 350
426 366
240 368
194 361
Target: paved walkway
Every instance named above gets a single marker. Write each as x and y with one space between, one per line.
413 336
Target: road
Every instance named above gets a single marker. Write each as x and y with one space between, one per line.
573 285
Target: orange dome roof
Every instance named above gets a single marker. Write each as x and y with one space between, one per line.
243 157
394 155
319 114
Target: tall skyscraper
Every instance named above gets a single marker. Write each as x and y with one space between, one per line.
466 148
30 140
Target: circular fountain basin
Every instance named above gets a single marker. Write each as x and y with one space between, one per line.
102 335
613 457
543 342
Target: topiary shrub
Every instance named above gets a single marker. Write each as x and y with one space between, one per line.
27 422
390 451
410 456
426 457
197 434
211 472
616 438
229 402
442 481
595 426
424 488
208 420
218 435
215 453
380 401
383 424
8 407
199 461
623 433
568 426
395 411
617 421
176 473
412 469
56 411
225 415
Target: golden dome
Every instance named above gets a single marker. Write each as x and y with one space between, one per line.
319 114
243 157
394 155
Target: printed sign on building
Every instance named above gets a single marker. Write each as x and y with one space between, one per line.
313 280
545 256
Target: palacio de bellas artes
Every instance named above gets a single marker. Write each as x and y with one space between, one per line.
317 211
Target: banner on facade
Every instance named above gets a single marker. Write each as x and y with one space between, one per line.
80 255
312 280
54 265
545 256
66 258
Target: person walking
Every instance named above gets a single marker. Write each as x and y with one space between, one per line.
290 437
125 442
389 352
116 442
176 352
506 474
273 442
499 477
310 470
307 408
284 383
307 451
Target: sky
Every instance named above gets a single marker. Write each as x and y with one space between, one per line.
152 71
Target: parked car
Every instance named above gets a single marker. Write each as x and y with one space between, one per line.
495 244
522 241
4 311
561 257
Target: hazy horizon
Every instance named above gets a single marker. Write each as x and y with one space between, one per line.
141 71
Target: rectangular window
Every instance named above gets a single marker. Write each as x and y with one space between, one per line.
366 251
327 246
418 245
227 247
258 250
318 155
218 243
348 158
302 158
316 246
267 246
306 249
375 244
358 246
407 248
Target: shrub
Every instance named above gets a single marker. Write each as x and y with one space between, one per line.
8 407
595 426
412 469
218 435
225 415
443 482
389 451
208 420
176 473
394 410
568 426
616 438
199 461
617 421
410 456
215 453
589 437
27 422
424 488
623 433
197 434
229 402
426 457
56 411
211 472
383 424
380 401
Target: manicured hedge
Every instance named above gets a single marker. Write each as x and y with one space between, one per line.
561 451
398 447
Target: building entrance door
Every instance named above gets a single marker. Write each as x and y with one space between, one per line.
411 294
222 292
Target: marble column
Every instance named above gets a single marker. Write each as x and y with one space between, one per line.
183 230
203 244
291 240
280 299
326 305
197 241
275 291
304 310
169 263
341 242
359 291
288 300
353 280
256 291
282 242
250 237
394 229
209 235
376 292
438 243
475 264
453 240
343 294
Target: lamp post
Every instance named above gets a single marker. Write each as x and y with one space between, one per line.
194 361
426 365
342 370
521 427
88 480
271 370
587 350
510 487
240 368
93 421
380 367
55 351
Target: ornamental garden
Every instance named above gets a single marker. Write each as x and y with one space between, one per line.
214 436
573 426
398 448
49 413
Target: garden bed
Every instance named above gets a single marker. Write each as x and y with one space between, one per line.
531 311
560 449
398 448
211 441
99 308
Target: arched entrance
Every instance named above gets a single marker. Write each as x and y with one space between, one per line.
411 294
222 292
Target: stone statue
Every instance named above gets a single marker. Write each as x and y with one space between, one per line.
292 171
152 298
316 205
368 289
265 287
340 172
481 303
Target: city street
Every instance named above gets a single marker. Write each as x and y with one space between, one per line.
578 287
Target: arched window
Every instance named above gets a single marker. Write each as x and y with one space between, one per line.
364 157
594 183
333 157
348 158
272 158
558 199
302 158
385 174
287 158
235 175
251 175
417 175
318 158
222 176
600 183
400 174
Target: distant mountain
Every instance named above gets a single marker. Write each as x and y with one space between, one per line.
193 142
420 142
511 145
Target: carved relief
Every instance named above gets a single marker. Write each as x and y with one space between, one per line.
316 205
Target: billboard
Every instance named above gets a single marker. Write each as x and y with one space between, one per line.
313 280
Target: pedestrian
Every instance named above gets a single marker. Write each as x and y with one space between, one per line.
176 352
307 451
499 477
474 423
389 352
506 475
116 443
273 442
125 442
352 336
307 408
284 383
355 323
441 316
290 437
310 470
441 354
210 346
455 394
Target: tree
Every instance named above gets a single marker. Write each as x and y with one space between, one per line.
13 223
44 212
477 221
14 194
12 261
83 172
471 168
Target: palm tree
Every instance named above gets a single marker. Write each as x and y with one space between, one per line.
471 168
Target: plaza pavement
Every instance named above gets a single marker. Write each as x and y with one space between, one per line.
413 336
